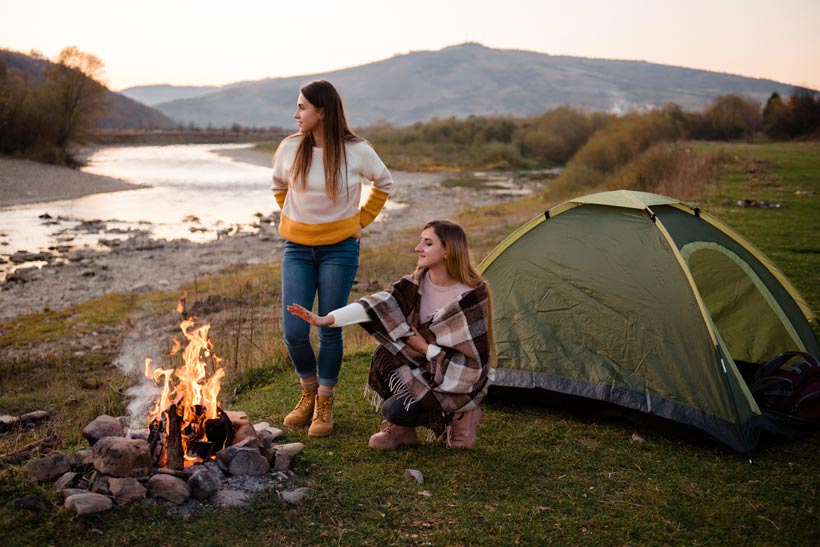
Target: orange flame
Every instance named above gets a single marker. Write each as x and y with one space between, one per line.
187 386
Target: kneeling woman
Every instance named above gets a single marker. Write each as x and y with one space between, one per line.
433 364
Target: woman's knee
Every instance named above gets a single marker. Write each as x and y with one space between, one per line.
330 335
296 341
393 410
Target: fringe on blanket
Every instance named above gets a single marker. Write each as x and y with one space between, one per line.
400 391
373 398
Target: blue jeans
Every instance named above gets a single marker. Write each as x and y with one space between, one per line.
328 270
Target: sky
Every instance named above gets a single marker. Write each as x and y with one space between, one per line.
207 42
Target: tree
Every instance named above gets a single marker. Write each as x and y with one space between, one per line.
775 117
74 98
728 117
804 113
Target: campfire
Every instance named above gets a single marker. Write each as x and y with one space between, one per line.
186 424
193 451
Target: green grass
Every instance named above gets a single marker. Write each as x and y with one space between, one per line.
787 174
540 475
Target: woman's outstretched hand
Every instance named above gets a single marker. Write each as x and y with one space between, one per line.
310 317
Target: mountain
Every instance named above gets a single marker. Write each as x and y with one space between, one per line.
472 79
123 113
155 94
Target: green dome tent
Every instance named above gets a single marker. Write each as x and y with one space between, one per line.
646 302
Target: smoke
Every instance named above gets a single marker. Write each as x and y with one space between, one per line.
131 361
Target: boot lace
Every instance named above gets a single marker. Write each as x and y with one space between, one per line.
323 409
306 401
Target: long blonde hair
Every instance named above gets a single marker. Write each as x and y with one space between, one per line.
322 94
457 252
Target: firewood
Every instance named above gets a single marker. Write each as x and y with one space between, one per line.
175 455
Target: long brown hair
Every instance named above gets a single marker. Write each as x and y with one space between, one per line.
322 94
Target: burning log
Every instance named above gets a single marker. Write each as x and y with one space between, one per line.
175 457
220 432
156 439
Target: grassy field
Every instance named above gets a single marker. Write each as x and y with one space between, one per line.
541 474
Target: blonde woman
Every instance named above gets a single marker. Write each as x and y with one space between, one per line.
317 180
434 362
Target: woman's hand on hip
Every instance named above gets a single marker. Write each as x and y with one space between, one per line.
310 317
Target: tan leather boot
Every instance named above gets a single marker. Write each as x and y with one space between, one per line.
461 431
303 412
392 436
322 424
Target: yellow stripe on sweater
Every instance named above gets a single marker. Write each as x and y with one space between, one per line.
371 209
318 234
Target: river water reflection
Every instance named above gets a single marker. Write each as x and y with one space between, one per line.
194 192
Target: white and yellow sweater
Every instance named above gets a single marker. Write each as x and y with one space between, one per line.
309 216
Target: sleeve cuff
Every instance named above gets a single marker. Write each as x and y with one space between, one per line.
349 315
280 198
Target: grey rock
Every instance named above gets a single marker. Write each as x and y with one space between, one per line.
248 461
169 488
122 457
126 490
34 417
282 461
47 468
292 448
99 484
415 475
68 492
246 434
88 503
140 434
204 483
30 503
295 497
82 460
103 426
67 480
266 434
7 422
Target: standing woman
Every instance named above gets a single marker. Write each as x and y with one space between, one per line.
317 181
435 358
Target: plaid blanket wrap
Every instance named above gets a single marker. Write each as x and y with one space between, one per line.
457 378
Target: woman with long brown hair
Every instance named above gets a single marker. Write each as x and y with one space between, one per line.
436 355
317 180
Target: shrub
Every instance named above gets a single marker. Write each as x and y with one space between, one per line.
670 169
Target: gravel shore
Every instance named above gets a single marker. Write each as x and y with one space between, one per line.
25 181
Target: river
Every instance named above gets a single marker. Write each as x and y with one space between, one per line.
195 191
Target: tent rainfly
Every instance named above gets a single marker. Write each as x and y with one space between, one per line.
646 302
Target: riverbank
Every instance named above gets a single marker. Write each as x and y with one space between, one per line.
25 181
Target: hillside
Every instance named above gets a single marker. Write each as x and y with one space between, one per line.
124 113
472 79
156 94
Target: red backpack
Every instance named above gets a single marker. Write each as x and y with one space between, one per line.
789 384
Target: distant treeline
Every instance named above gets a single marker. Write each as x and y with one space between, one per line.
598 140
43 117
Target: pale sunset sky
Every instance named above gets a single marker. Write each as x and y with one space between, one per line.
206 42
